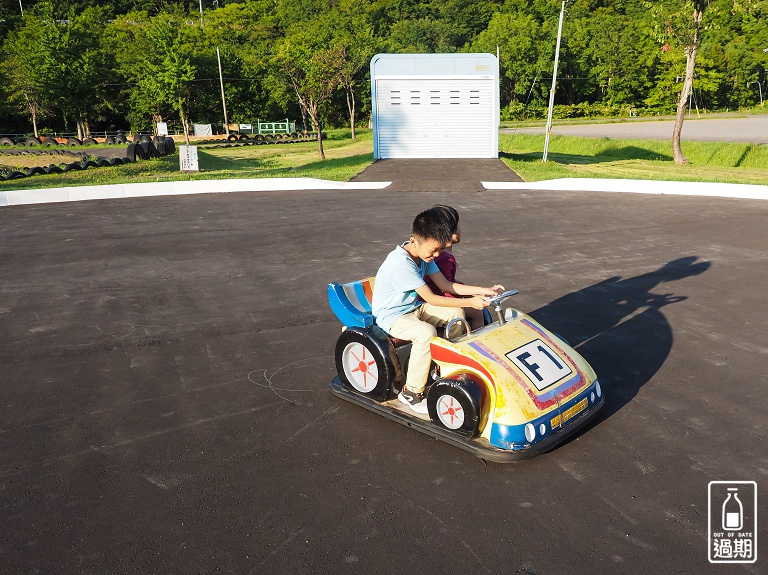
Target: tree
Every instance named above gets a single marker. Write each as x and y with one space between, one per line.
616 58
155 55
311 61
82 66
245 34
354 32
682 21
30 63
518 37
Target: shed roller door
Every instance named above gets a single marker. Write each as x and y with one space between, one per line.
436 118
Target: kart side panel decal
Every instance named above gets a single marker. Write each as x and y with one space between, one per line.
447 355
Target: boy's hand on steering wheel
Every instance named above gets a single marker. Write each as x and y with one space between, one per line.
477 302
493 291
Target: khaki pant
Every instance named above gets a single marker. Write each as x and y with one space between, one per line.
419 327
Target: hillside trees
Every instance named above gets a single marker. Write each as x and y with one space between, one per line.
245 33
83 67
155 56
30 63
75 65
353 31
616 61
521 41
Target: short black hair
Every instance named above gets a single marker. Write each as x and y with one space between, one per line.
432 224
450 214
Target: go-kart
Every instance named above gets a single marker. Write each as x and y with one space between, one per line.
505 392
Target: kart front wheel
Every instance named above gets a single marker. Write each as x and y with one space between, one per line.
362 364
455 405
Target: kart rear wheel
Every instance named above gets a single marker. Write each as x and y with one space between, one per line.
363 365
455 405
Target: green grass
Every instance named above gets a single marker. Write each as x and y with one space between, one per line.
570 157
575 157
344 159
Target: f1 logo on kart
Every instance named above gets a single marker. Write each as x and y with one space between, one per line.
540 364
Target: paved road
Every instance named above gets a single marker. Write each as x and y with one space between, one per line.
753 129
165 362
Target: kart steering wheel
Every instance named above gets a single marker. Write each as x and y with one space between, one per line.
497 299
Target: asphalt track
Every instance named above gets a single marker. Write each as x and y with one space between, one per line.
165 365
722 128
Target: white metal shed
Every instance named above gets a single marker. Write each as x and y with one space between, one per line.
435 105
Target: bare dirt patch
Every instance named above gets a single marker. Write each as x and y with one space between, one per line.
22 160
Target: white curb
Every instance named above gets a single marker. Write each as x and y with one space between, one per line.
743 191
113 191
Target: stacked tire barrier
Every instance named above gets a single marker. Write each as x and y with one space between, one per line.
47 141
235 141
146 147
143 148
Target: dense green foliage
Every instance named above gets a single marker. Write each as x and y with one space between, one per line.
98 65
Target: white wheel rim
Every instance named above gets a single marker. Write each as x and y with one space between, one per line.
360 367
449 412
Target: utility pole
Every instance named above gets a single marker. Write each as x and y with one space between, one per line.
223 100
201 12
548 130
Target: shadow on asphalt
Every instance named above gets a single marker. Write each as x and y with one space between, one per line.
619 327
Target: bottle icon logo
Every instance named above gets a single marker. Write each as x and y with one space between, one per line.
733 511
732 522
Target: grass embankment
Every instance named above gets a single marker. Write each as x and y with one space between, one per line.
344 158
574 157
570 157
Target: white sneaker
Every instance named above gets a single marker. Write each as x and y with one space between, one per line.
416 401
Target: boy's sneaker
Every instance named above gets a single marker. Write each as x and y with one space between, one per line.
416 401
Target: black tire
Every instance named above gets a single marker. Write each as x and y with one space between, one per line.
121 139
35 171
89 164
141 153
31 141
6 142
74 142
363 362
454 404
170 146
231 137
49 142
130 152
109 140
89 142
53 169
101 162
15 175
149 150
